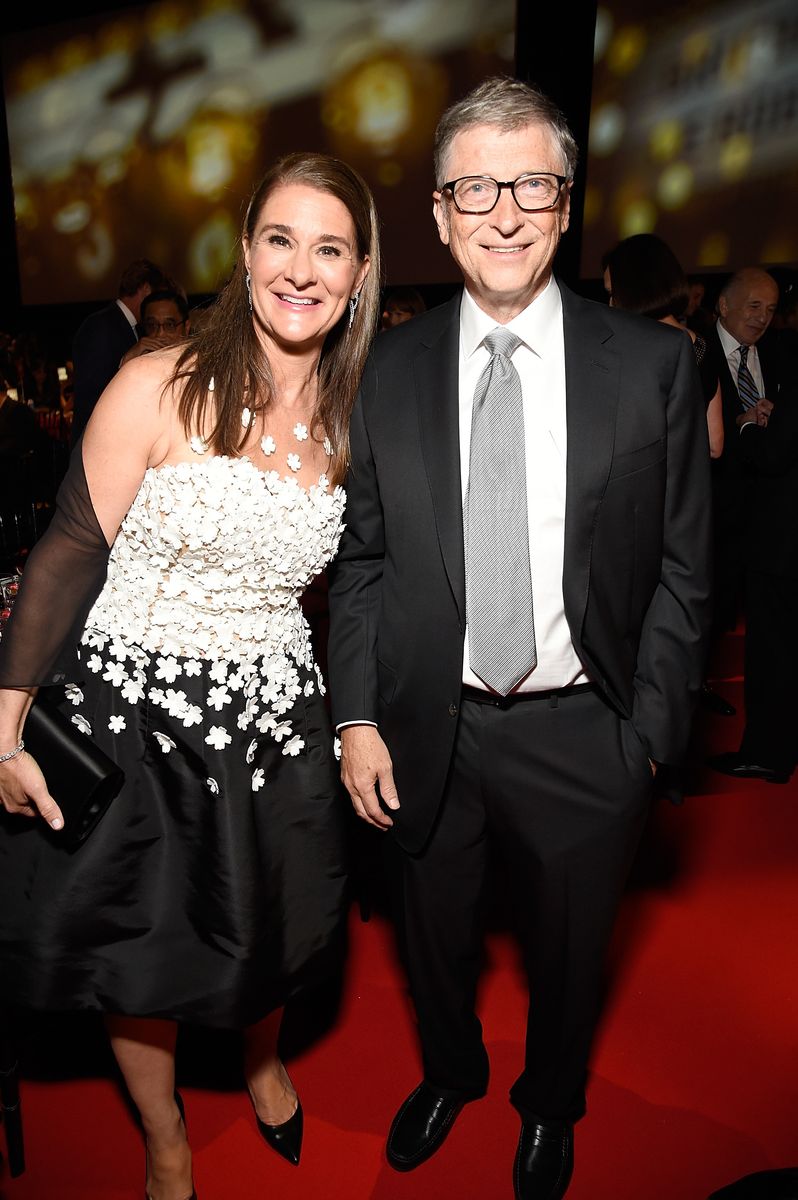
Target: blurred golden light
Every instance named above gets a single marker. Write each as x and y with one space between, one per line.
626 49
95 256
781 247
666 139
640 216
736 61
24 210
72 55
32 74
384 105
72 217
105 143
735 155
120 37
593 204
59 103
606 129
603 33
165 19
390 173
696 47
210 157
383 100
714 250
211 252
111 170
675 185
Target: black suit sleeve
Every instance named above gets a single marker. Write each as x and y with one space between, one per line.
356 579
672 645
96 352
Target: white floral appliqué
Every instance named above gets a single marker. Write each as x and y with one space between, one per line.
268 445
301 432
294 461
198 444
82 724
117 724
218 737
191 594
258 779
164 742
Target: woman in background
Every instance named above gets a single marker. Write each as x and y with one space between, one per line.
643 275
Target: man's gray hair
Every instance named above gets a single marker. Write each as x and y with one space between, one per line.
505 104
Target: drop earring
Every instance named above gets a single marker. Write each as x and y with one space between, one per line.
353 303
249 291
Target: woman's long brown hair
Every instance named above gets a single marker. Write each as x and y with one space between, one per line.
227 349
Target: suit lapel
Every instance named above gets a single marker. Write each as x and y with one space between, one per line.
436 378
592 380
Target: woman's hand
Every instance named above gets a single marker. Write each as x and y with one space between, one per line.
23 791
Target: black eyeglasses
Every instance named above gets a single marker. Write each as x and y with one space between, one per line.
480 193
151 326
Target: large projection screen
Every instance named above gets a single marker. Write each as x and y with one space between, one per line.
694 131
141 133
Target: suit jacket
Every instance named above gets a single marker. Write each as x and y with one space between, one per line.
99 344
637 525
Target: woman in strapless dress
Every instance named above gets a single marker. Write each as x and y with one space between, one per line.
203 499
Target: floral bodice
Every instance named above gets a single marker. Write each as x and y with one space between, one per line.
212 558
205 577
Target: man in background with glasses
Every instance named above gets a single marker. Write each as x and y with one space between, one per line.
164 321
518 608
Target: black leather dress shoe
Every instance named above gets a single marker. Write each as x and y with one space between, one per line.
420 1126
544 1161
740 766
712 701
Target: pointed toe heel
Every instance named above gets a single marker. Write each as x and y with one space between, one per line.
286 1139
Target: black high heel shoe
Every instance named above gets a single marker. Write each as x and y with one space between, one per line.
286 1139
181 1109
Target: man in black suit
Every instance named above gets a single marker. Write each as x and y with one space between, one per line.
106 335
746 307
548 747
769 552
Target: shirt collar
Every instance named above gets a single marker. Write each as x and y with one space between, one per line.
127 314
534 325
729 343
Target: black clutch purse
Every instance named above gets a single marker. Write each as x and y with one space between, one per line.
81 778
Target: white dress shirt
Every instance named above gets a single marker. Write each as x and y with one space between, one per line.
731 348
540 362
129 317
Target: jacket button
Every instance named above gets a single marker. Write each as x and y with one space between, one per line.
452 710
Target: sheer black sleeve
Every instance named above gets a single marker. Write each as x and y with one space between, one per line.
62 578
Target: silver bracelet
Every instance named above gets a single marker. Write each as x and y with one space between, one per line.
13 753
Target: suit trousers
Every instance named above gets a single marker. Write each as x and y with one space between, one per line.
771 669
562 786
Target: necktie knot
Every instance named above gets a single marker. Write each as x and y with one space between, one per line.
502 341
743 355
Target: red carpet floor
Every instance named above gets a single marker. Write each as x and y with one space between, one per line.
694 1079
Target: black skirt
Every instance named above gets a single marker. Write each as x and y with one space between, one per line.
211 891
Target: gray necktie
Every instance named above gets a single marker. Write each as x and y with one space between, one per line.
501 628
749 392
